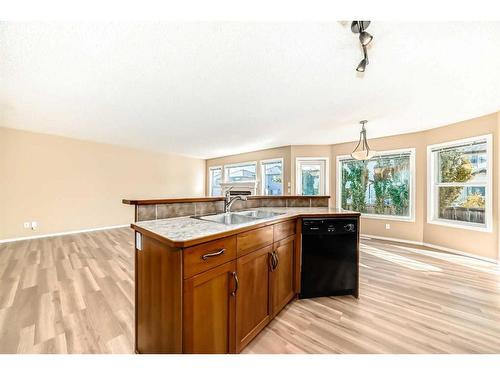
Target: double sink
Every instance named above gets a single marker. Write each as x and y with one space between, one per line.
240 217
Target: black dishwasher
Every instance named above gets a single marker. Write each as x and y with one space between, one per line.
329 257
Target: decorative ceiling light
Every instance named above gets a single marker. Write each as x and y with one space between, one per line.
359 27
362 65
362 150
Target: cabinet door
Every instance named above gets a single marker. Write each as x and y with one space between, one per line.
253 308
282 276
209 311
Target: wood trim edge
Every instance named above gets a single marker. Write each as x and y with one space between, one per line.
213 199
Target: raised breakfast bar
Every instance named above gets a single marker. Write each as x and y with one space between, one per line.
208 287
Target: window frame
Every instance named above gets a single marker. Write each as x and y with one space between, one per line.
433 185
210 169
411 218
310 160
225 174
262 175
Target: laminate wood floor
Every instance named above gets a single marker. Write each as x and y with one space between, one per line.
74 294
68 294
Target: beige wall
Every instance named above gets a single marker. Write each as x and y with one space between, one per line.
479 243
67 184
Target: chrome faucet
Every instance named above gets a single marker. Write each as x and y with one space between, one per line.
228 200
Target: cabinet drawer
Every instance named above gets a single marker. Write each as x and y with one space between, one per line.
283 230
254 240
208 255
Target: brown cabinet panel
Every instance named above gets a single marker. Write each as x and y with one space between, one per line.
282 277
254 240
209 311
284 230
253 308
200 258
158 298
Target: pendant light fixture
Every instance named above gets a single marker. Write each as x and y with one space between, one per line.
362 150
359 27
362 65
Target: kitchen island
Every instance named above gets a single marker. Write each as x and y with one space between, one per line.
207 287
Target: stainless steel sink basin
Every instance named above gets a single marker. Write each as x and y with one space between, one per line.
239 217
259 214
230 218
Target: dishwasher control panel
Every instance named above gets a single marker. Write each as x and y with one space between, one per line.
329 226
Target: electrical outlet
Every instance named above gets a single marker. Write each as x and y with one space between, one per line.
34 225
387 226
27 225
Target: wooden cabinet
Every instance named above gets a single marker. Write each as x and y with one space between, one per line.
227 306
254 240
214 297
253 309
200 258
266 282
284 229
158 296
209 311
282 285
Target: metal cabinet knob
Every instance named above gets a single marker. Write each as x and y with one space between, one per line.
349 227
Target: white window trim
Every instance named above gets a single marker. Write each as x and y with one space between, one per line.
238 165
411 217
298 179
431 191
267 161
210 177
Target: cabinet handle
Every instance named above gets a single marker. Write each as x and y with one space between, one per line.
236 283
277 260
271 261
274 262
209 255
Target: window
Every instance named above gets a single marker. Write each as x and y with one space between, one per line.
272 177
215 177
240 172
379 187
312 176
460 183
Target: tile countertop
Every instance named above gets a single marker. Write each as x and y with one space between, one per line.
188 231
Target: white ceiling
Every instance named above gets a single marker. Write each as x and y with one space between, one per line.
213 88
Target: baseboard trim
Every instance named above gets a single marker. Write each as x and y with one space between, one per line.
393 239
432 246
458 252
62 233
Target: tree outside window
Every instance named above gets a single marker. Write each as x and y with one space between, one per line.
379 186
460 183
